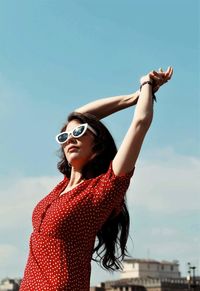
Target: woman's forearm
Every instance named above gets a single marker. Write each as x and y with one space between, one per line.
144 108
106 106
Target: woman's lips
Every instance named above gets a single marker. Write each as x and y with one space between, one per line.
72 148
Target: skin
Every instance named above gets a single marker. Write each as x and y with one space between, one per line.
160 77
78 152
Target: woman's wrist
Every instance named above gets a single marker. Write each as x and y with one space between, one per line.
132 98
147 81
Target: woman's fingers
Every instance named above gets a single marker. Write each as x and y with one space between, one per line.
158 74
169 73
160 77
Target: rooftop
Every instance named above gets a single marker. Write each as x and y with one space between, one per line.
149 261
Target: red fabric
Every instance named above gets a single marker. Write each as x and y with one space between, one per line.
64 231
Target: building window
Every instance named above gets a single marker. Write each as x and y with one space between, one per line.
162 267
172 268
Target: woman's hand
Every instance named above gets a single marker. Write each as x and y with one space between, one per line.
159 77
146 78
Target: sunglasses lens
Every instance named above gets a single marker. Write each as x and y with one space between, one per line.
63 137
78 131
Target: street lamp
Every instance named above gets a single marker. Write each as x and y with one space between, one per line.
189 276
191 279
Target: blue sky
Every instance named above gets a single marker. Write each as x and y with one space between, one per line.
58 55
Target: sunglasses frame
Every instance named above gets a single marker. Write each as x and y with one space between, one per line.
70 133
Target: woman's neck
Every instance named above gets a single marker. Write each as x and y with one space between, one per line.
76 177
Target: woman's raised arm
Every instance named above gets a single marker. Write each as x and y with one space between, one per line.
106 106
129 150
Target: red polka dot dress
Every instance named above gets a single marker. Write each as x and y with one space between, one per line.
64 231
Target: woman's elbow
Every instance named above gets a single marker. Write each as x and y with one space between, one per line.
145 121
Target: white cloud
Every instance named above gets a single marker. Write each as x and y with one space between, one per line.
170 244
7 252
165 232
169 183
11 258
19 198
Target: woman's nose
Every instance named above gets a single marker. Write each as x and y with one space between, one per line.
71 139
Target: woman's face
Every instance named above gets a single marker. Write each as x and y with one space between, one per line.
78 151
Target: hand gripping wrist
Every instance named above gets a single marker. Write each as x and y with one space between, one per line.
151 84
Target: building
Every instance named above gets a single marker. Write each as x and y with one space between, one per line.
97 288
140 268
150 275
8 284
148 284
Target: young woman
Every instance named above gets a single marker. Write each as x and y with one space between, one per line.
89 202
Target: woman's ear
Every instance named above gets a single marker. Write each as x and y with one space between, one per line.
92 156
98 148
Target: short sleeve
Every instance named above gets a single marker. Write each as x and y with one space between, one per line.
108 192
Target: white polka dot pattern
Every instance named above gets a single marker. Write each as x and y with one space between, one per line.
64 231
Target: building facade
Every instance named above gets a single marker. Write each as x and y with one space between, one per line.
149 284
139 268
150 275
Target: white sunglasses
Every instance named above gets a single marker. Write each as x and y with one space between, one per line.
77 132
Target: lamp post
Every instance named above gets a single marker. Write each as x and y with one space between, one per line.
191 279
189 276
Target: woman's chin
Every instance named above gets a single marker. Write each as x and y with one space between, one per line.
76 162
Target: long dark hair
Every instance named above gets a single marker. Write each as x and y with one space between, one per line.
112 237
